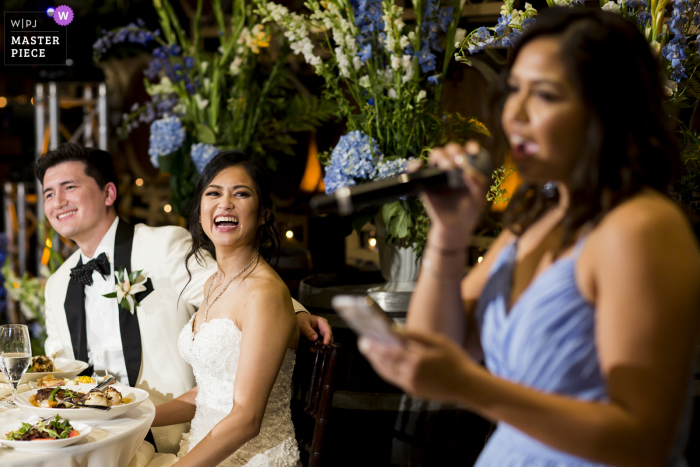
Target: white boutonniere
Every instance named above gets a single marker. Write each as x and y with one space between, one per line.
126 288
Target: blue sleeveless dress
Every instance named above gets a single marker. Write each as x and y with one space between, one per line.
547 342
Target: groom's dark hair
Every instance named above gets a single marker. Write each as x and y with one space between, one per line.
98 163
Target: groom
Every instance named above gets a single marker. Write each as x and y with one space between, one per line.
138 346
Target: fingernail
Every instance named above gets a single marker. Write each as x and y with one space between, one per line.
363 344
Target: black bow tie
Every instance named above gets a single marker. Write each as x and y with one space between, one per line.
83 274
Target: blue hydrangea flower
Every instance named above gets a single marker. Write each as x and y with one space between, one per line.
352 158
167 136
390 168
335 178
201 154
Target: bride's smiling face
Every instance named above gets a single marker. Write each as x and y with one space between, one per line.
229 208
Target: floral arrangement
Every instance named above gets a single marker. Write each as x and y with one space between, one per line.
239 97
126 288
386 79
675 40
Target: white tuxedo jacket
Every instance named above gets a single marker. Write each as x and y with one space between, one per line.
149 338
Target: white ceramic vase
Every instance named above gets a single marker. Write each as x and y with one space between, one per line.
399 265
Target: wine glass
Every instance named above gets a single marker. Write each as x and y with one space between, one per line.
15 355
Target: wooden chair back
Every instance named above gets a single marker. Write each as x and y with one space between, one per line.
313 385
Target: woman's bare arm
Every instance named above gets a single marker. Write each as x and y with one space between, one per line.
178 410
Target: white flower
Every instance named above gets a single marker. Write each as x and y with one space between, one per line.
203 66
403 42
670 87
392 94
364 81
126 288
460 35
357 63
406 62
235 67
201 102
165 86
408 75
612 7
395 62
421 95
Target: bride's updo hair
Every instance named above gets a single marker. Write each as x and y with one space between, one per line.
266 238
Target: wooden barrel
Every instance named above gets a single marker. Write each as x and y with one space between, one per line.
375 423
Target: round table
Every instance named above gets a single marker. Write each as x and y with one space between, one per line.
112 443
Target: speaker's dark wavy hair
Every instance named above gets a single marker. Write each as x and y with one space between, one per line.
629 142
266 238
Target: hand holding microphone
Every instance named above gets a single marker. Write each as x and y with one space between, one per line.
457 171
454 213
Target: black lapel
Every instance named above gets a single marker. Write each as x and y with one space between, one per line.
128 323
75 315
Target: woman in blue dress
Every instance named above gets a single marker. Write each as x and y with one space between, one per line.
586 309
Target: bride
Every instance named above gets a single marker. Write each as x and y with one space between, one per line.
241 344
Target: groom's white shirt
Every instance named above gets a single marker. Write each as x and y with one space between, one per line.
102 315
159 252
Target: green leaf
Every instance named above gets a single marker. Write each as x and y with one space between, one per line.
165 164
134 275
205 134
110 295
390 210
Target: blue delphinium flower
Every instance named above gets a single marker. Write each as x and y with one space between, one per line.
434 79
352 158
371 101
167 136
365 53
503 23
426 59
390 168
132 32
674 51
368 18
201 154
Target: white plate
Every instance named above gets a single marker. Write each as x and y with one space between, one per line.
66 369
47 445
136 395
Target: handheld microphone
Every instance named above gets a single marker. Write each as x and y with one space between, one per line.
344 201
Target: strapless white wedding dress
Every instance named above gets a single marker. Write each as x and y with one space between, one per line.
213 355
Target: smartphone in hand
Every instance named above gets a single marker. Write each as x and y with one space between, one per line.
366 318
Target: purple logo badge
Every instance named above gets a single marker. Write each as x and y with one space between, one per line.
63 15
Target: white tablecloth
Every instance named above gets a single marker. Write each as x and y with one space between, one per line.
112 443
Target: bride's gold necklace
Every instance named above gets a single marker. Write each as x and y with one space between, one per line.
206 311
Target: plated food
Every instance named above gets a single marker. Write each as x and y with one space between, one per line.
50 381
66 398
42 434
70 401
46 428
62 368
41 364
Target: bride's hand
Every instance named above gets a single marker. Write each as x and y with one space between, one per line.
454 214
311 326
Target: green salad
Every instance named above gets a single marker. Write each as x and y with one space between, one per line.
45 429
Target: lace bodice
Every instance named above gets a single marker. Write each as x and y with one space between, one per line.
213 353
